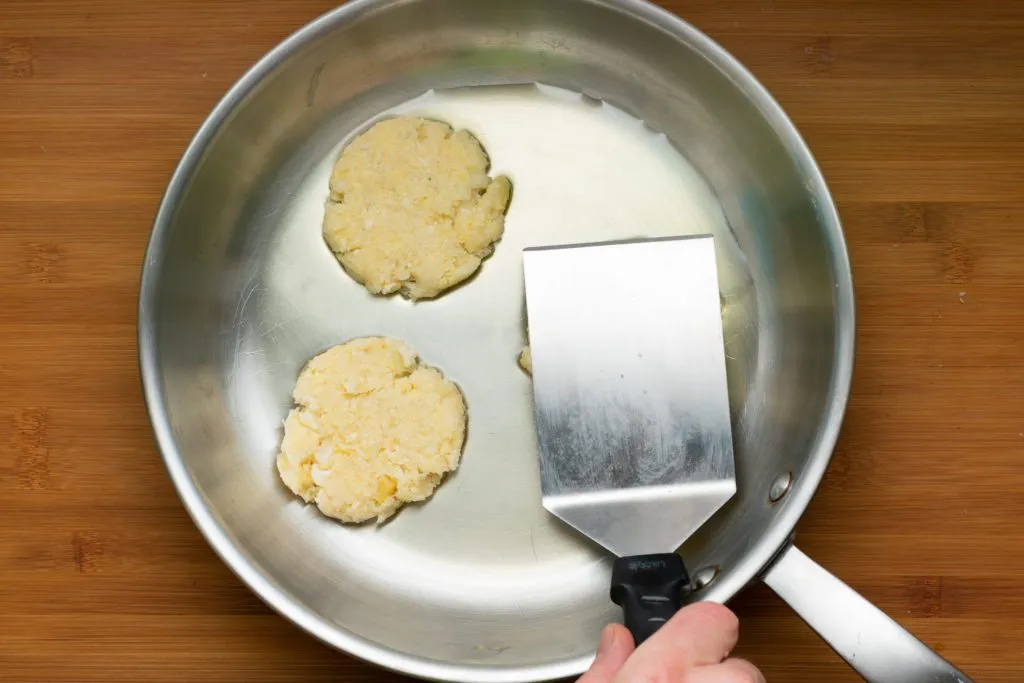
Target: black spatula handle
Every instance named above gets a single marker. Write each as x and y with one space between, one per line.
650 589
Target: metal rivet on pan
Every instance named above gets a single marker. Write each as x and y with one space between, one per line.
780 487
704 577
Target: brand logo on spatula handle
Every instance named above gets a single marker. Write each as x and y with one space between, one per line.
650 589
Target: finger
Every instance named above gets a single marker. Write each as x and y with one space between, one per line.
614 649
729 671
698 635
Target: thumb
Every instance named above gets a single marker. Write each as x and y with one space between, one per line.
614 649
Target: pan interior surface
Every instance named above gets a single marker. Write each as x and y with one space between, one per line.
613 121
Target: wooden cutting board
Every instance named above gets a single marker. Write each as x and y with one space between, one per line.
914 110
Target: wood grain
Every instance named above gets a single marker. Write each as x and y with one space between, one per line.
913 110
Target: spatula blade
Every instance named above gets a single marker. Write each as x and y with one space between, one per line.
630 389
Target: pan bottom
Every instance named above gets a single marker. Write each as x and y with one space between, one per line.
582 170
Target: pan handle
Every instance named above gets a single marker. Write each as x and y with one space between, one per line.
870 641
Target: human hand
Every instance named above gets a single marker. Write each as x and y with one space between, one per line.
691 648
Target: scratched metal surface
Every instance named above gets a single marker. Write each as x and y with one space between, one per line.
630 391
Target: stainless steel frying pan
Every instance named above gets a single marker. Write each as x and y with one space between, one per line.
642 126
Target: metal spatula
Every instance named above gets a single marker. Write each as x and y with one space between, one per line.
632 405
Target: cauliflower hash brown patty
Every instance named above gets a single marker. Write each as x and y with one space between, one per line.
412 209
371 430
